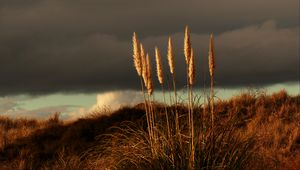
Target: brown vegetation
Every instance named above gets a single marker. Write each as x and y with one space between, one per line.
252 131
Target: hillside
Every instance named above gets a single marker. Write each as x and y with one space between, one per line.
251 131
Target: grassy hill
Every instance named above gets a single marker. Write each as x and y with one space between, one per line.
251 131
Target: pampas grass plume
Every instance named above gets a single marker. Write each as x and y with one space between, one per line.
142 57
211 56
136 54
170 56
144 65
187 45
192 70
149 76
159 66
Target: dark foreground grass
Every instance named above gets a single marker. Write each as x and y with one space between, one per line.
252 131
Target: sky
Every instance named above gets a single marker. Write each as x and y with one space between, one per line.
73 56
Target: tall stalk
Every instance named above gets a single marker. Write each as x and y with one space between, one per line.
211 60
149 84
187 54
192 75
146 104
190 63
172 71
212 100
160 77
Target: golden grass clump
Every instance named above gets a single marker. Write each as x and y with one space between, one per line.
143 67
170 56
136 55
184 139
159 66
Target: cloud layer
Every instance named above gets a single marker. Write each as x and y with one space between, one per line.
107 102
14 107
85 46
117 99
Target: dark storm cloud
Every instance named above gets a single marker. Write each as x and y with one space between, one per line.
254 55
85 45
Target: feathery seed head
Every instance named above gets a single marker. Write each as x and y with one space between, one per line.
136 54
142 50
159 66
145 70
142 56
149 76
211 56
187 45
170 56
192 69
150 88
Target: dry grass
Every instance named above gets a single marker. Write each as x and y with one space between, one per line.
198 143
252 131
